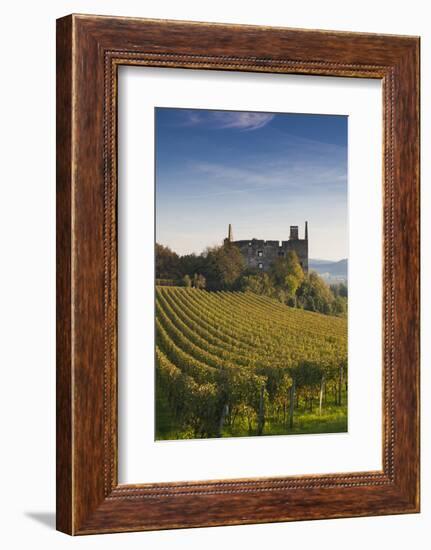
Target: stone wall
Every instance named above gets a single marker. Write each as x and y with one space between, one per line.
259 254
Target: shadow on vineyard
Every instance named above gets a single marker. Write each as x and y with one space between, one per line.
235 364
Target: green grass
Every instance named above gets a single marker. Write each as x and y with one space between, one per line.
333 420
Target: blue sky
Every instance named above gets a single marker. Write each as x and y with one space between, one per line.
261 172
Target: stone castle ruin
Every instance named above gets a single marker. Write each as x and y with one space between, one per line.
259 254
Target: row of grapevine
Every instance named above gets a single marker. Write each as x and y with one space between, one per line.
229 357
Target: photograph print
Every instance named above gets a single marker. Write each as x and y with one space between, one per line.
251 287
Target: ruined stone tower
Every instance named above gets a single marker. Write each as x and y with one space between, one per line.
259 254
230 234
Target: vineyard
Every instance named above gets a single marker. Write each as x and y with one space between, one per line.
239 364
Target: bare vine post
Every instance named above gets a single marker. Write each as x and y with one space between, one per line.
291 404
261 420
224 413
322 389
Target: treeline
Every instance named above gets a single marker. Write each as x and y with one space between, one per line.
217 268
223 268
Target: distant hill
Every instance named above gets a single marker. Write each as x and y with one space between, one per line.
329 270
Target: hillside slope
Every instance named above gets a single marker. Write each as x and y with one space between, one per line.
220 353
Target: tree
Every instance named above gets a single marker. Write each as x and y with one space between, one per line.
286 266
281 295
191 263
339 306
291 284
287 275
187 281
339 289
199 281
224 266
315 295
258 284
167 263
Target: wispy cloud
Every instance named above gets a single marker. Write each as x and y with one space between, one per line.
227 119
298 166
295 177
242 121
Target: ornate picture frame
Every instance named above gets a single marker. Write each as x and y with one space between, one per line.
89 51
